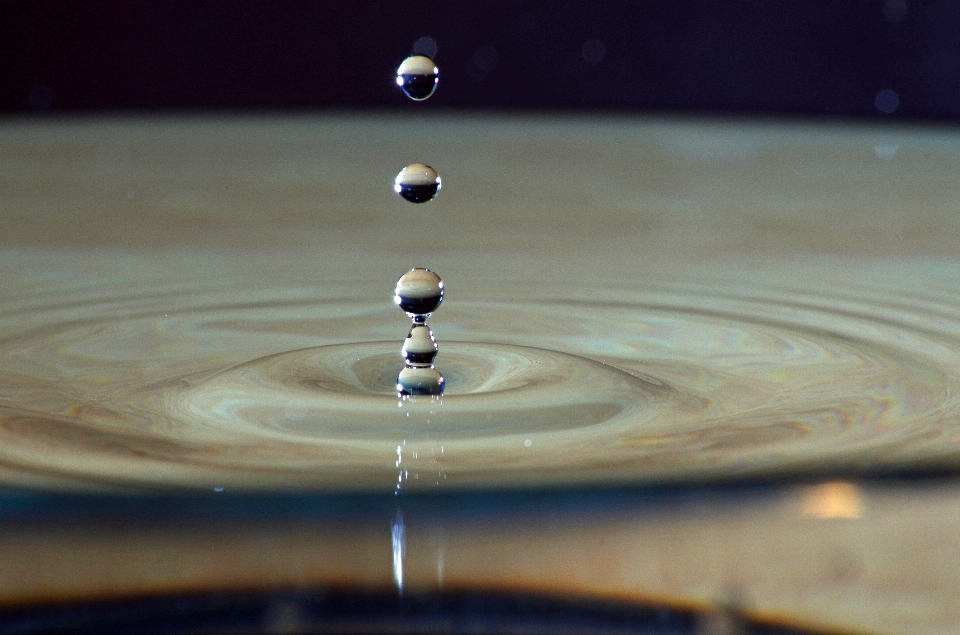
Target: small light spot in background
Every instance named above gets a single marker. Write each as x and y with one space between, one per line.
41 97
218 489
426 46
593 51
528 443
885 151
886 101
833 500
895 11
484 60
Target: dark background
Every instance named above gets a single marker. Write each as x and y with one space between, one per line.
842 58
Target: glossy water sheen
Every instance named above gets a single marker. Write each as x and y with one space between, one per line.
418 77
774 368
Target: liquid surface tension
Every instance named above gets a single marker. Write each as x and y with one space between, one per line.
685 330
109 381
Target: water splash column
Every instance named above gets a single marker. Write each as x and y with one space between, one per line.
418 293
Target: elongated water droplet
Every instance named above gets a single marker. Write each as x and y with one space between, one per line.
419 292
418 76
418 183
420 348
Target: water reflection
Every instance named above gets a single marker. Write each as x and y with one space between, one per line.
398 538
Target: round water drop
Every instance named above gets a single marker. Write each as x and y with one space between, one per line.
420 348
418 183
418 76
419 292
416 380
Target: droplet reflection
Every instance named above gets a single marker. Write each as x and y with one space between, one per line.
418 293
420 348
417 183
418 77
420 381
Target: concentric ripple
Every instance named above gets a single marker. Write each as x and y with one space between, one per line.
778 368
348 392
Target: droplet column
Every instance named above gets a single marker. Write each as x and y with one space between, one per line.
419 292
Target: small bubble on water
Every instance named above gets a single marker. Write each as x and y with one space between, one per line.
418 183
418 293
418 76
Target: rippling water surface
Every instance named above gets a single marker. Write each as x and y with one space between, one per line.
116 374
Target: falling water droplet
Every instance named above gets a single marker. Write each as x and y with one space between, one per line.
420 347
418 183
416 380
419 292
418 76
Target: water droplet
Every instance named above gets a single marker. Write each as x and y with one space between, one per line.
415 380
418 183
419 292
420 348
418 76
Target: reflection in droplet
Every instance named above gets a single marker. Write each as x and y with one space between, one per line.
420 348
418 293
418 76
416 380
417 183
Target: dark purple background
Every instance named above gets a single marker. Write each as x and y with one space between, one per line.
815 57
